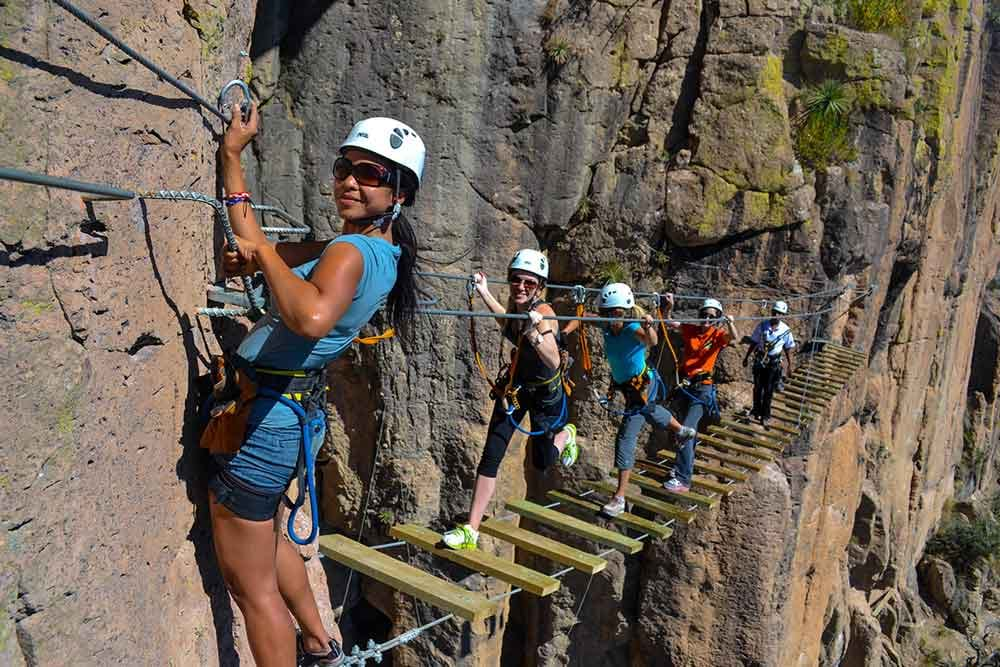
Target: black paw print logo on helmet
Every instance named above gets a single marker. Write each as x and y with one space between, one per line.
397 136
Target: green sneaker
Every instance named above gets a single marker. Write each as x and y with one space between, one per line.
570 452
461 537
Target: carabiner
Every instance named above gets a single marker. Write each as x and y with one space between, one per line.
579 294
224 106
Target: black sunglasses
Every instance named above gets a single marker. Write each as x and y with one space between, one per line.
369 174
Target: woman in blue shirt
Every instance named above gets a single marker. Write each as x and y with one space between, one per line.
626 346
321 295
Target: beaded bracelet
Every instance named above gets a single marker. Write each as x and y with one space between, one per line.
236 198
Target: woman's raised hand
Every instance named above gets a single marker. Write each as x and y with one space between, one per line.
239 134
480 282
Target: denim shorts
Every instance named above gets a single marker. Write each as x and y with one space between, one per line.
252 482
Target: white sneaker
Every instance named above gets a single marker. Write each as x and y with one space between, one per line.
615 507
675 485
461 537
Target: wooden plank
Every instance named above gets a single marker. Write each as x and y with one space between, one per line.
709 469
543 546
656 471
575 526
645 502
792 404
406 578
814 381
757 428
655 486
719 443
777 414
722 456
835 379
477 560
813 388
743 438
843 350
833 365
800 394
624 519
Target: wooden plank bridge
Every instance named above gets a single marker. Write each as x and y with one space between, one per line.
725 457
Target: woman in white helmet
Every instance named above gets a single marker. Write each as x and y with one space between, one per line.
703 341
769 339
626 347
538 382
322 293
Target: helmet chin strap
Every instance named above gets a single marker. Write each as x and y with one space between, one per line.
381 222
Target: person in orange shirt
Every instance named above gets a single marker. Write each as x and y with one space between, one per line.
702 343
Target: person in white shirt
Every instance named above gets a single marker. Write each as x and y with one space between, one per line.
768 341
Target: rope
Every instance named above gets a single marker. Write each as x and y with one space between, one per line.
256 310
374 340
440 312
585 359
138 57
594 290
474 344
667 343
104 192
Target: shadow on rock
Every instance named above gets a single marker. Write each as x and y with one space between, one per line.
193 468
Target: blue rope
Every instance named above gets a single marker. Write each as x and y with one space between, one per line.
310 465
560 420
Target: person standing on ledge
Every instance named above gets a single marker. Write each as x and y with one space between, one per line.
769 339
703 341
626 347
536 369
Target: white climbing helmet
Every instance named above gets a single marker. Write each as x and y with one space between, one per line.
780 307
390 139
711 303
531 261
616 295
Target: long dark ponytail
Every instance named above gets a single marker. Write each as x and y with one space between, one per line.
402 301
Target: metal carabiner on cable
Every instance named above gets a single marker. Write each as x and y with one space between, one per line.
224 106
579 294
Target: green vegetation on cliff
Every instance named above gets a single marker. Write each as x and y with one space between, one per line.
822 132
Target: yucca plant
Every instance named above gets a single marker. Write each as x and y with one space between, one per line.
822 127
611 272
828 100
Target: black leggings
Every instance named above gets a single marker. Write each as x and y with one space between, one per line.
543 411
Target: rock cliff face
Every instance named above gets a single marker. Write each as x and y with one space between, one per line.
655 139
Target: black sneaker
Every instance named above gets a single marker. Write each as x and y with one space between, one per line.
306 659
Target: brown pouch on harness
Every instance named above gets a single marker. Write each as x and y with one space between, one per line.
233 394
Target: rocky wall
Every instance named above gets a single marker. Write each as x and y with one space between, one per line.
654 139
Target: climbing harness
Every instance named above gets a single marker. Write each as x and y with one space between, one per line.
641 390
235 386
306 466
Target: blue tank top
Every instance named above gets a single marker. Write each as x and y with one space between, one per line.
626 354
273 345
